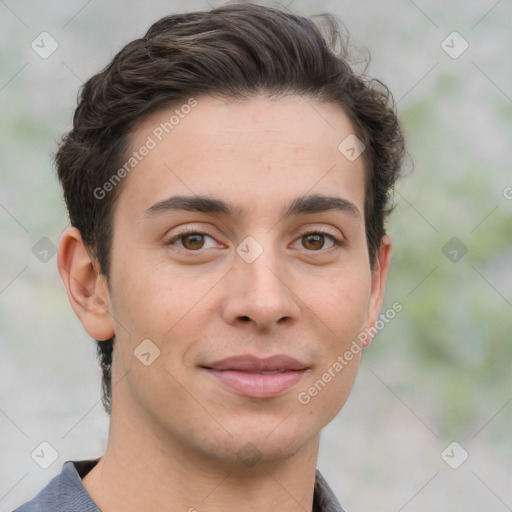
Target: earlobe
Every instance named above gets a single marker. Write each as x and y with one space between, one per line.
86 287
378 286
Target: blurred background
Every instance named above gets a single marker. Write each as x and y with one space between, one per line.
428 424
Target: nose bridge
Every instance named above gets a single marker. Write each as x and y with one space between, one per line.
260 289
258 264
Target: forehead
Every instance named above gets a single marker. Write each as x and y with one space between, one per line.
252 153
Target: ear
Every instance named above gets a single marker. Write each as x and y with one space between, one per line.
378 286
86 286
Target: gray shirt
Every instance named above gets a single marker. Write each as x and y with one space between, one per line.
66 492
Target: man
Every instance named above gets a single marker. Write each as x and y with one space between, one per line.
227 179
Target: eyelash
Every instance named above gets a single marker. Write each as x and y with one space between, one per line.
338 242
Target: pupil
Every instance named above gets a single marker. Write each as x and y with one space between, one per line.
315 238
195 240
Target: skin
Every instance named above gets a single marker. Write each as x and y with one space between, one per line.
176 432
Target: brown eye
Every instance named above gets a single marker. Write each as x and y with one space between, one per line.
316 241
313 241
192 241
195 241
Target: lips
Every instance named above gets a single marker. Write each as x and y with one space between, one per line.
247 363
257 377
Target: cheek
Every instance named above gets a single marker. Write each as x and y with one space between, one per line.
340 310
165 305
342 304
327 391
148 302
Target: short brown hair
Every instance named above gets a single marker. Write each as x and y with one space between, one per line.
233 51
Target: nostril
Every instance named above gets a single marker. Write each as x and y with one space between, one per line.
245 318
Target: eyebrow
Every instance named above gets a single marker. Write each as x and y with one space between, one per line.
302 205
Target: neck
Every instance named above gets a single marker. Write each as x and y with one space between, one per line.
153 473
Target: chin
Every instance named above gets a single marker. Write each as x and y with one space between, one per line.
256 441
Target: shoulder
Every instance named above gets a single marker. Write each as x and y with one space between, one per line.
64 492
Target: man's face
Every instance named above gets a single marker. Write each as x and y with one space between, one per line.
244 288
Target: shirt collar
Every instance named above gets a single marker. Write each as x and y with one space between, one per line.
324 499
71 491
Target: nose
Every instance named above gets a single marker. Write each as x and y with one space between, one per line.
260 294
